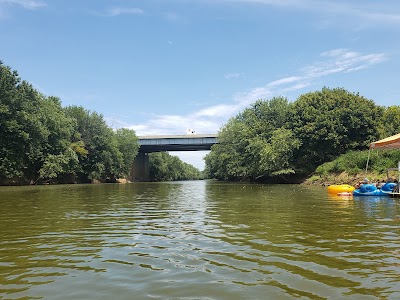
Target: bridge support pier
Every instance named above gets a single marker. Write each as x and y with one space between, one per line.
140 168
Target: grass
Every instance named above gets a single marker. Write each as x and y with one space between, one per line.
351 167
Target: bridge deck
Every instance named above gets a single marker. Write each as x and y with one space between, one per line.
190 142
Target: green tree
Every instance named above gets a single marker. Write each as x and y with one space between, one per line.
128 146
103 160
32 127
59 129
390 122
41 141
331 122
158 166
61 167
166 167
12 136
255 144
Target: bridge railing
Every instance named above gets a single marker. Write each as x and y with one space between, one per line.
190 142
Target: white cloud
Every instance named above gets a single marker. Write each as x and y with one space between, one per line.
296 87
174 17
381 17
117 11
220 110
287 3
342 61
283 81
232 75
373 12
334 52
28 4
246 98
211 119
163 125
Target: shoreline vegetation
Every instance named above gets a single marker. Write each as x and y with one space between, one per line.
320 138
42 142
350 168
344 178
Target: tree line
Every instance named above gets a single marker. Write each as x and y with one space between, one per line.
43 142
280 141
166 167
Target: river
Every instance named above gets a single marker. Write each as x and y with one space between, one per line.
196 240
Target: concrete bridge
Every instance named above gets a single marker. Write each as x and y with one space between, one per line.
161 143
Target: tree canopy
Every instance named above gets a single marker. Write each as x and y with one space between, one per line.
271 140
40 141
166 167
254 144
331 122
275 140
43 142
390 122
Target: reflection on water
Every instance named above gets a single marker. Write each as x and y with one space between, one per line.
196 240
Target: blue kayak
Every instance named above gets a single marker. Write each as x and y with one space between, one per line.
372 190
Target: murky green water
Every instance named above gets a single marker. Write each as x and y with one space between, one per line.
196 240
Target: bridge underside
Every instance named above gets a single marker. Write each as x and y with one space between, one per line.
149 144
194 142
174 147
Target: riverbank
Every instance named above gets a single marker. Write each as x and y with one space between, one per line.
344 178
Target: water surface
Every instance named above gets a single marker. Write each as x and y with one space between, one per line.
196 240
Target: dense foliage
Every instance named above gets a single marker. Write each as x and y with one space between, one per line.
331 122
254 144
274 140
355 162
40 141
390 122
166 167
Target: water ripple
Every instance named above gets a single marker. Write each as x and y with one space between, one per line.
196 240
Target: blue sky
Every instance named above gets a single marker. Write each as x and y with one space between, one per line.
162 66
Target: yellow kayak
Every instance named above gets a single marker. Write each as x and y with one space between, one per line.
340 188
